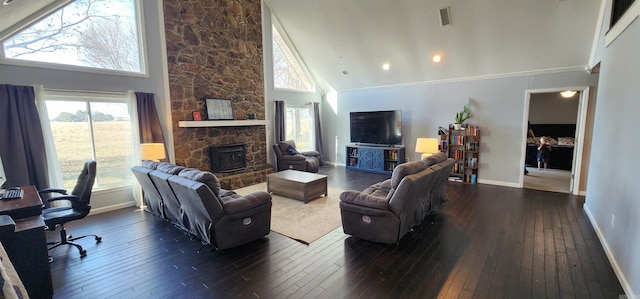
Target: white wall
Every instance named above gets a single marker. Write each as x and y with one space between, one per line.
497 104
272 94
612 199
75 80
551 108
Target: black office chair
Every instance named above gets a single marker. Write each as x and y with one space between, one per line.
79 198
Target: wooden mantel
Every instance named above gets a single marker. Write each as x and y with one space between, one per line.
222 123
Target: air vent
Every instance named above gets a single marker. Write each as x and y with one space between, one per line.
445 16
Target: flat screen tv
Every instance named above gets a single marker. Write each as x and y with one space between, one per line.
376 127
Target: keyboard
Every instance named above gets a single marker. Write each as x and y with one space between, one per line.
12 193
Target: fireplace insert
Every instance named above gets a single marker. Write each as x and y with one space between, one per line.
227 158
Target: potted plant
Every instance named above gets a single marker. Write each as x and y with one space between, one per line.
463 115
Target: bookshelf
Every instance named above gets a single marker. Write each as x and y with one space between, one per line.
464 147
373 158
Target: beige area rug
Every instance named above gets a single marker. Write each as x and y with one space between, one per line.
299 221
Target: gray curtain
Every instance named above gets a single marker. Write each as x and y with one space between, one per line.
21 139
280 133
318 133
148 121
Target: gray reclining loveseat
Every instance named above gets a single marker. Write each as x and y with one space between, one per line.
386 211
193 201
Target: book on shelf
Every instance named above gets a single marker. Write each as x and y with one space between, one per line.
444 145
353 162
473 130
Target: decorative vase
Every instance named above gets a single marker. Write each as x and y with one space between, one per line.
457 126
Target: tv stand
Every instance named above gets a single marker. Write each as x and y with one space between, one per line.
370 158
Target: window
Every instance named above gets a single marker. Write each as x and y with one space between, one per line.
100 34
90 126
299 127
288 72
618 9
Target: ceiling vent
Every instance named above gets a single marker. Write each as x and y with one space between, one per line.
445 16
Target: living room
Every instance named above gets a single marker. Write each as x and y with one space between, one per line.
498 102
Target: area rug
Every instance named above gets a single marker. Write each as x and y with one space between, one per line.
304 222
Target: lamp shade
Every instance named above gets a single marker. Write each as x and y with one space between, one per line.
152 151
427 146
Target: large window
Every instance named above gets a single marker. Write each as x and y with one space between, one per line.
100 34
618 9
92 127
299 126
288 72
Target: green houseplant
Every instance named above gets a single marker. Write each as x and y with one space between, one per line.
463 115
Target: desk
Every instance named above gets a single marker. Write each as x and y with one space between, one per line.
27 246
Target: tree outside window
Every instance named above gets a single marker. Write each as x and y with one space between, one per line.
99 34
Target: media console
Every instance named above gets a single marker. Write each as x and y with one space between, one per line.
378 159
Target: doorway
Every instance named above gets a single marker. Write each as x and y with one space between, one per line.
561 119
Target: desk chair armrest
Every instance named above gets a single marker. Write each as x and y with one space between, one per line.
52 190
71 198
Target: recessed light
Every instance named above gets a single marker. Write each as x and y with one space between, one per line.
386 66
436 58
568 93
7 2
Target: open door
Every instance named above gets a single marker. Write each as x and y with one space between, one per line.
563 176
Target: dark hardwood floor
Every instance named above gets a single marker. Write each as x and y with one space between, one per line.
486 242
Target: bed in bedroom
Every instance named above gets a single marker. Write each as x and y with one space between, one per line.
562 141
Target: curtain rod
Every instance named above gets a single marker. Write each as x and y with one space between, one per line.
86 91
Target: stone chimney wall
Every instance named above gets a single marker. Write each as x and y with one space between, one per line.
214 50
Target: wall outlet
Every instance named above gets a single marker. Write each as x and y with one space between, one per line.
613 220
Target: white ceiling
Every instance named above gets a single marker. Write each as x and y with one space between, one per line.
486 37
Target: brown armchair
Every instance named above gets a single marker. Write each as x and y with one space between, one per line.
287 157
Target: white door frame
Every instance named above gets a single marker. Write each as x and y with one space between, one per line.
579 138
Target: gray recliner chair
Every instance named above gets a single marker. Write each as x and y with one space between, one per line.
287 157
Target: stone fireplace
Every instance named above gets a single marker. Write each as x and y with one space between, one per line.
227 158
214 50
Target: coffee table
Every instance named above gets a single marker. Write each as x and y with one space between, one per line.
299 185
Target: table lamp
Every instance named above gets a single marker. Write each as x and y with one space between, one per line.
152 151
426 146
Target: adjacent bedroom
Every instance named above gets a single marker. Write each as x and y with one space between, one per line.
553 116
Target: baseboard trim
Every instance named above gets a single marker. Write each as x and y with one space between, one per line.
112 208
499 183
614 263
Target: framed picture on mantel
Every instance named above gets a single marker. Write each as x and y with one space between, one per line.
218 109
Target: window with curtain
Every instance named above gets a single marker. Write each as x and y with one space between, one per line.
91 126
98 34
299 126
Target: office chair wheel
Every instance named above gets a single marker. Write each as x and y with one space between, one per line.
83 253
98 239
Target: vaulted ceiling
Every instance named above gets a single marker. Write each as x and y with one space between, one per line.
345 43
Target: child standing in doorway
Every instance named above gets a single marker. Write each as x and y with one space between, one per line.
543 152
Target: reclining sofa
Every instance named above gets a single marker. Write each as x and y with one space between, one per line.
287 157
386 211
193 201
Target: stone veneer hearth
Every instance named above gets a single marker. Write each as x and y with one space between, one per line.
214 49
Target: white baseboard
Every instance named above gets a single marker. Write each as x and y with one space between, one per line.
614 263
112 208
499 183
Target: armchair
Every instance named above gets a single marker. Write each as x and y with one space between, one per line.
79 199
288 157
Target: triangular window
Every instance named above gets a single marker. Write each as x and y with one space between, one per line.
102 34
288 72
